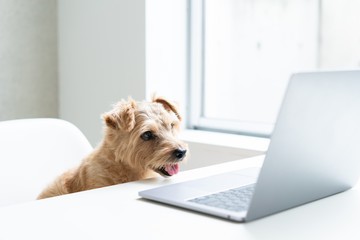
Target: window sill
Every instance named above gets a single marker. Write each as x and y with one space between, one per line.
226 140
209 148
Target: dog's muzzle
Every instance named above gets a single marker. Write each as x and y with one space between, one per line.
172 168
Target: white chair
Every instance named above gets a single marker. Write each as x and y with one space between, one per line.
33 152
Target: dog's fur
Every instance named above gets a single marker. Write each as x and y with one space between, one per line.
140 141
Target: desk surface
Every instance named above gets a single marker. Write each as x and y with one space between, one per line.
117 212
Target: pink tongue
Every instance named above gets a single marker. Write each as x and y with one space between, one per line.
172 169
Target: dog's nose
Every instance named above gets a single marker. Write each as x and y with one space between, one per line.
180 153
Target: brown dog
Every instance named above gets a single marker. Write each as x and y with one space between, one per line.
140 139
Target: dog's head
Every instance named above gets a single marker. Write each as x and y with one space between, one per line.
143 135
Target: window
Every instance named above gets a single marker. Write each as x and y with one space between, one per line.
243 52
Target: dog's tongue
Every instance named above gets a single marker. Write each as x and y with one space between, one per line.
172 169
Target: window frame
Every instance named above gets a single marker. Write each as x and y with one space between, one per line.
196 82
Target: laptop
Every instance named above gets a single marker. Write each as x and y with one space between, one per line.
314 153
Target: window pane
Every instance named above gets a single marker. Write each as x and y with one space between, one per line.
340 34
250 49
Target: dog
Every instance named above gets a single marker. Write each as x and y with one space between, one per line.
140 141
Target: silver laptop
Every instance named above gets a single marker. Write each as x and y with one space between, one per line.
314 153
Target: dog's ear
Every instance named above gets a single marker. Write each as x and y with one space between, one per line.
122 117
169 106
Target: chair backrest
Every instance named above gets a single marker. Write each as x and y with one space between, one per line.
33 152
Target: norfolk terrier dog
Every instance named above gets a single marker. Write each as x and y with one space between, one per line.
140 140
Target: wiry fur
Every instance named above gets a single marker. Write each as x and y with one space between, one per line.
123 155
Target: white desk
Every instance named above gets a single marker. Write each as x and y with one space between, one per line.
117 212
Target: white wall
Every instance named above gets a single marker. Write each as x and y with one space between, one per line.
101 59
166 50
28 59
111 49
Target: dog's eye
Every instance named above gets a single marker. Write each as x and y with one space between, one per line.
172 126
146 136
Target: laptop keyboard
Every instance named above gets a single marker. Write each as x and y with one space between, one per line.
236 199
